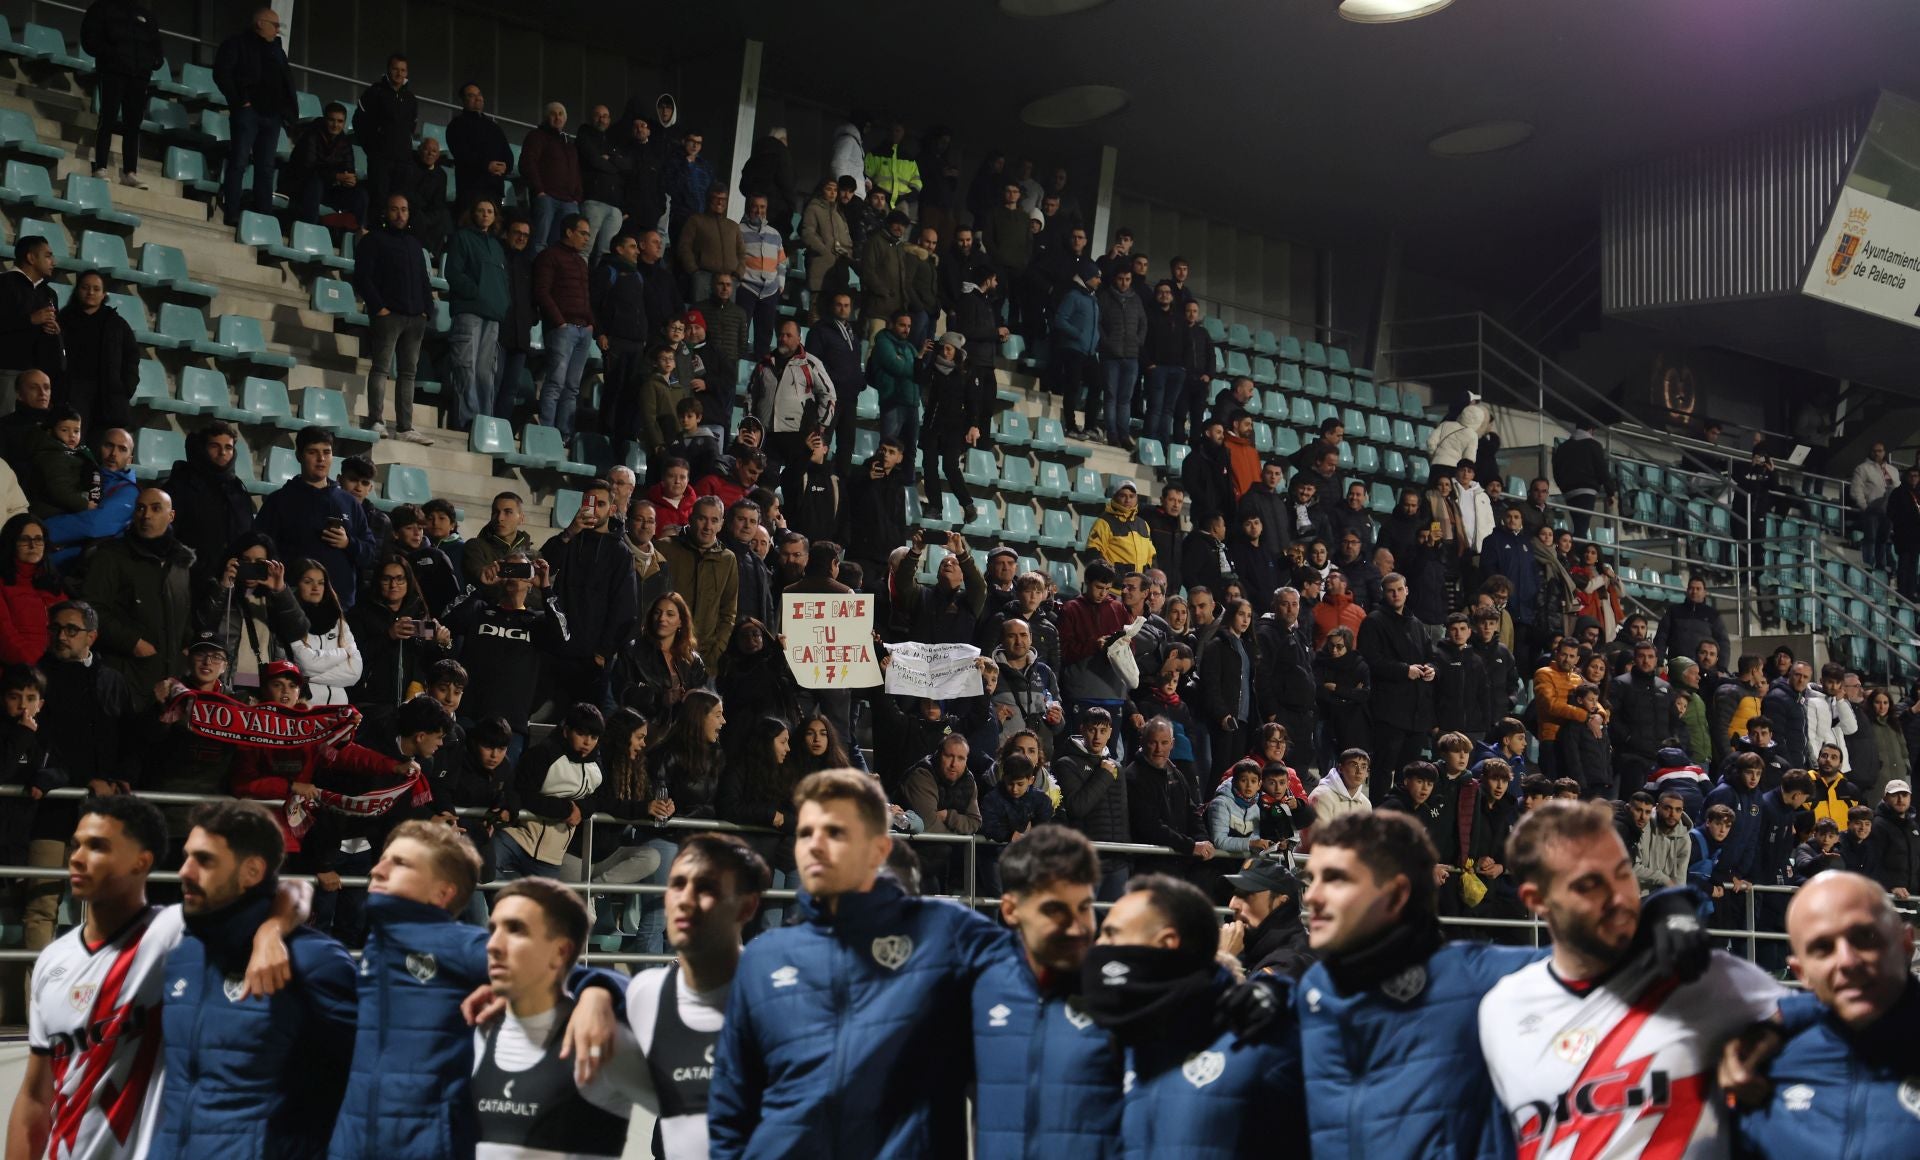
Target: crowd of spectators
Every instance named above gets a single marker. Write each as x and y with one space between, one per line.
1254 656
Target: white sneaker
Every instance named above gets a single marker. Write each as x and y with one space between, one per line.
412 436
131 180
380 429
99 171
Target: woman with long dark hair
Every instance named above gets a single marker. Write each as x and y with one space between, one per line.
817 746
753 678
28 592
758 791
256 616
397 641
663 663
1889 746
690 758
1225 686
629 850
1345 693
327 655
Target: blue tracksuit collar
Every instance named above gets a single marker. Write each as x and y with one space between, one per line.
228 932
1889 1040
406 910
854 909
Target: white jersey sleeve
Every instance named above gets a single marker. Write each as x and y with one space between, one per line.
1615 1072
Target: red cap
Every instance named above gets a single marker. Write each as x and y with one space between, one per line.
694 318
274 669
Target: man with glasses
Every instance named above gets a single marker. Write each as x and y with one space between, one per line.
252 73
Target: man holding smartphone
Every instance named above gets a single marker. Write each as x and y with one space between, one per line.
312 517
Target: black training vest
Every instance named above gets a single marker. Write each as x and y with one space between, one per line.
680 1058
540 1107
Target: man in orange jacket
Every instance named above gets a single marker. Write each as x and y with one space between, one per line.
1552 688
1243 456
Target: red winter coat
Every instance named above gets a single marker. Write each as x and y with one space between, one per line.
23 617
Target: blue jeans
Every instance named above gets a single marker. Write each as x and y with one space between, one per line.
342 912
510 861
473 364
567 349
653 907
255 138
902 423
1121 372
548 212
1163 398
605 220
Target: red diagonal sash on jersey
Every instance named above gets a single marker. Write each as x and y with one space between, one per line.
107 1021
1594 1132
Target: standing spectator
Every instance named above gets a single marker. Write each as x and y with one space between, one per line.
763 272
1789 704
1399 657
322 169
103 360
28 592
1167 529
481 156
957 415
1888 743
642 157
328 657
550 165
594 589
390 272
769 174
1894 846
424 183
892 370
213 508
252 73
312 517
1076 336
883 273
479 298
828 240
1008 236
1460 691
501 537
29 317
1118 535
888 168
1123 330
1643 716
920 277
139 584
516 329
124 40
940 177
790 393
1508 552
1162 804
1224 685
834 341
618 296
561 293
707 244
1689 622
383 126
1873 481
687 179
602 182
1584 472
847 154
1164 355
874 517
1903 521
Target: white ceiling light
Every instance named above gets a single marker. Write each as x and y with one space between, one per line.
1073 107
1388 11
1485 137
1035 9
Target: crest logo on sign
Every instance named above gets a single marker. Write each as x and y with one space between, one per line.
1848 245
892 951
1203 1067
422 966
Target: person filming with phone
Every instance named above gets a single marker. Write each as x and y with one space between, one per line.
254 611
312 517
506 638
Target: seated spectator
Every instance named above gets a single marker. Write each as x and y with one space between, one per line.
327 655
29 314
688 760
1819 852
29 592
1234 816
322 170
550 782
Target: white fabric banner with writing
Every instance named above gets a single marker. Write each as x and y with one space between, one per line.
939 671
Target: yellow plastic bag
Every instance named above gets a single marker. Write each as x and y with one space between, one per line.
1472 890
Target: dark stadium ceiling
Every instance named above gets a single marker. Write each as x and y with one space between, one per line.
1279 115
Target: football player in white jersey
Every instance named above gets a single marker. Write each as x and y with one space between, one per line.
1593 1055
95 1071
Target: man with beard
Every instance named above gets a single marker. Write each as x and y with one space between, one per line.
1283 674
1153 983
1049 1081
1266 921
593 586
1399 656
1595 1043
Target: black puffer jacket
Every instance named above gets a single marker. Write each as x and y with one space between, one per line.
1642 713
1391 642
619 297
122 37
1093 792
1587 759
1895 846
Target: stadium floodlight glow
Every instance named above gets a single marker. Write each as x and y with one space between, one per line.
1074 106
1484 137
1037 9
1388 11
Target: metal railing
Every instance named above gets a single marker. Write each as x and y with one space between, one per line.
1751 935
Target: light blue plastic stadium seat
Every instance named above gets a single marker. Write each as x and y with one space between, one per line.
1340 389
1290 348
491 436
1239 337
198 81
1237 365
867 406
167 266
543 447
1337 360
1051 481
1325 410
1262 438
167 119
1264 371
1300 414
151 384
324 408
1255 404
979 468
27 184
948 515
1014 430
1016 473
242 333
1273 405
1315 383
1086 487
1410 404
1150 453
265 402
107 253
1216 329
95 198
282 465
1394 463
308 105
1177 459
1388 400
1379 430
46 44
155 450
189 168
1265 343
1380 499
1345 452
566 504
17 134
986 519
1355 421
207 393
1366 460
1286 441
1363 394
311 244
1019 527
1314 354
1290 378
1056 529
335 296
134 312
186 326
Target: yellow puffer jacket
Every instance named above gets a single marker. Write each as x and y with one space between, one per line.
1122 538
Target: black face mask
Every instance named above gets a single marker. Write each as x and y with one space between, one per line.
1147 993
